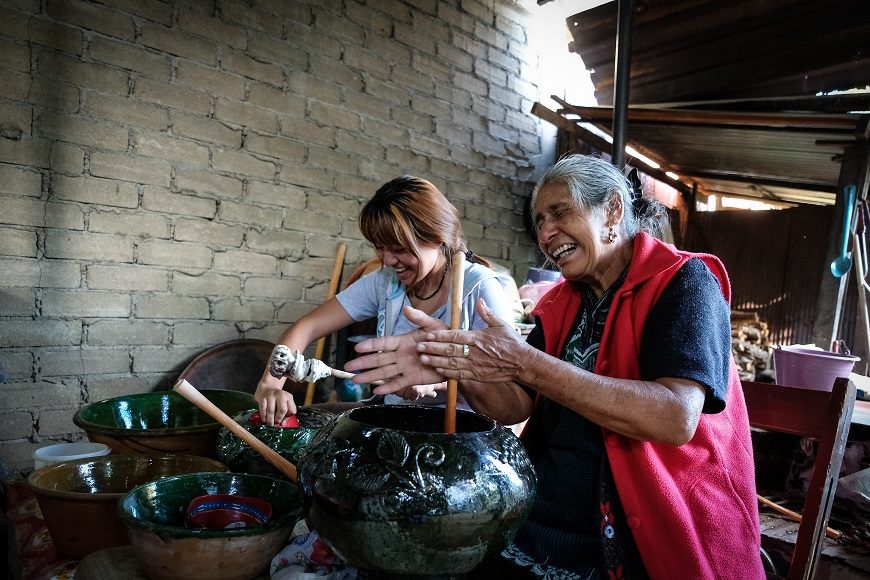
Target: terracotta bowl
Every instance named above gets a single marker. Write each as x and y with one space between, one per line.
288 441
160 421
168 549
78 498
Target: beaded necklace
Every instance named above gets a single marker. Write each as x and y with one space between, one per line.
434 292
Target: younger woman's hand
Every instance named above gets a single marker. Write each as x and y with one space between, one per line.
395 360
274 402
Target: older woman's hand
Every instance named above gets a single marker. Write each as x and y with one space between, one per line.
395 360
488 355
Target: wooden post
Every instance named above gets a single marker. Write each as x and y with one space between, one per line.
330 294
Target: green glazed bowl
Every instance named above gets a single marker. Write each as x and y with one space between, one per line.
168 550
78 498
160 421
288 442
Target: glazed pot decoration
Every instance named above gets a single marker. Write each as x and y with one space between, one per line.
290 442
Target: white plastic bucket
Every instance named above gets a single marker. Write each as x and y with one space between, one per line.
807 368
68 451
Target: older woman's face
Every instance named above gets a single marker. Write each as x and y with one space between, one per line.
572 238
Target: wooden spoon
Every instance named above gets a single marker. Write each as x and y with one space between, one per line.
189 392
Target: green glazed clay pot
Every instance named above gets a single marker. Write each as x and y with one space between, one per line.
289 442
392 494
160 421
168 550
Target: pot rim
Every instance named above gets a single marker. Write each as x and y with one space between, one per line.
169 531
31 481
493 425
99 428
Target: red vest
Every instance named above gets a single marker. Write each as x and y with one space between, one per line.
692 509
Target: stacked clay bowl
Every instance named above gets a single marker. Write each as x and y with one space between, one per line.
167 549
161 421
290 442
79 498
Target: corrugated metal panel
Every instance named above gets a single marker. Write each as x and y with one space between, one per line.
727 56
693 50
776 261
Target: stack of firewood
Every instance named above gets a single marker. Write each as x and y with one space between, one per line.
751 347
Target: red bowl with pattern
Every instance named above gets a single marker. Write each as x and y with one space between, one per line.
225 511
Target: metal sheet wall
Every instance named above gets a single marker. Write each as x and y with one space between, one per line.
776 261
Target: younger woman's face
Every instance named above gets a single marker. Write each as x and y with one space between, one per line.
409 270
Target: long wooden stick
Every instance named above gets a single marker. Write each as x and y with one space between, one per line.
333 286
458 282
858 258
189 392
831 533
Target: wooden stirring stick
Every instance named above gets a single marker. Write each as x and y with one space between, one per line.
189 392
831 533
457 283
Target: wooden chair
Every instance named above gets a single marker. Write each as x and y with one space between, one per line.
825 416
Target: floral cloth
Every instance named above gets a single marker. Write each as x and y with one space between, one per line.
37 556
308 556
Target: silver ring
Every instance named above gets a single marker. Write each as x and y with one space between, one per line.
465 350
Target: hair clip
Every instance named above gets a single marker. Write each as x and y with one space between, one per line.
638 202
636 185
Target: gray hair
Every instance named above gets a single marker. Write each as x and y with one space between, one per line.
592 181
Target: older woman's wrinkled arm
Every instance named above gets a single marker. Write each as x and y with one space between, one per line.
666 410
394 361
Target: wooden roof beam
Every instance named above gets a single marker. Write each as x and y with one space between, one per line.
843 122
601 144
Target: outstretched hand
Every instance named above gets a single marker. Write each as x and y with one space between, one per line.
394 359
493 355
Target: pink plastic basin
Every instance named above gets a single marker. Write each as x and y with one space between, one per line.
810 369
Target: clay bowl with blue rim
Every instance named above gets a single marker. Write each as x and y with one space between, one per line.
290 442
168 549
78 498
160 421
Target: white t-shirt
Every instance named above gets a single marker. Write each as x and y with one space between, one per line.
380 294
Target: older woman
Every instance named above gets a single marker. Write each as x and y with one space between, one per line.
637 424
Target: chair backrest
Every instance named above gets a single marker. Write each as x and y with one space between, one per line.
825 416
235 364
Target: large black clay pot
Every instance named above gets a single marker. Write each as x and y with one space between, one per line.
393 495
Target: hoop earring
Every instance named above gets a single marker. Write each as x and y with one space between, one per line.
611 235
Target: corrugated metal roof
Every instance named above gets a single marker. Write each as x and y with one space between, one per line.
724 93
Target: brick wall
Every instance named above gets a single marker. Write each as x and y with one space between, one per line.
177 174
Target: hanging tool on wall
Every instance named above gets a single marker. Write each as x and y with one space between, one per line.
842 264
